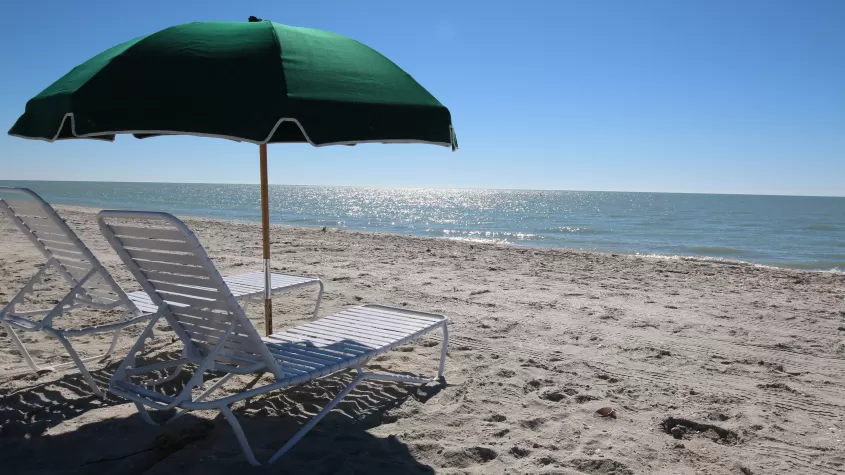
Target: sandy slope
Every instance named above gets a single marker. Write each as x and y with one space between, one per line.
744 364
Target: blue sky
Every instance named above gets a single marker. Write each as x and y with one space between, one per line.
721 96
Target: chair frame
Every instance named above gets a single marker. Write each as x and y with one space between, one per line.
77 297
185 401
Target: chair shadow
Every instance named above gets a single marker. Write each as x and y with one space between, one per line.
276 417
91 436
32 410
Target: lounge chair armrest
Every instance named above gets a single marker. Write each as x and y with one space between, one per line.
108 326
143 395
156 366
29 313
20 323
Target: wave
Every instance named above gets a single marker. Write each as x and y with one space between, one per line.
489 235
717 250
681 257
834 266
569 229
479 240
828 267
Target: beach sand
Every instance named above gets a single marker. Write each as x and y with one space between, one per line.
712 367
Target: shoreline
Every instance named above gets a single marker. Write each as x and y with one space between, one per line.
781 231
539 339
485 242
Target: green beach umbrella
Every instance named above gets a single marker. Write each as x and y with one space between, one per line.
256 81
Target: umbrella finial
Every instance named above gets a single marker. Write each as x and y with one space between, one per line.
253 19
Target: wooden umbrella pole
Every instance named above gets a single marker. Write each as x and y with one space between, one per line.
265 237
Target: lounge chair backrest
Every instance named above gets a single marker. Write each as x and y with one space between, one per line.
38 221
173 268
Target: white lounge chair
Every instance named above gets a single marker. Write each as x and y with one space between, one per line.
217 336
91 284
245 287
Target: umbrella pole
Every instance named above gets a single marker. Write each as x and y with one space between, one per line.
265 237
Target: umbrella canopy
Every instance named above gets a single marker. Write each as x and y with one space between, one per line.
255 81
259 82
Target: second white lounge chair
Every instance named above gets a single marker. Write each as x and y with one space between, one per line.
217 336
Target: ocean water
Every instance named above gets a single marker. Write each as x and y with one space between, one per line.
783 231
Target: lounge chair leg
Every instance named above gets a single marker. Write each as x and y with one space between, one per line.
319 298
310 425
19 345
205 394
239 434
112 345
145 415
443 349
166 379
80 365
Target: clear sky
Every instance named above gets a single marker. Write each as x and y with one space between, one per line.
720 96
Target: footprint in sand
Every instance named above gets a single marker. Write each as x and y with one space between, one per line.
601 467
467 457
686 429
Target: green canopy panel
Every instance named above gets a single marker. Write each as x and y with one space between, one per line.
259 82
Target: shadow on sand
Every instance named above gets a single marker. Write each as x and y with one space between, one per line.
61 427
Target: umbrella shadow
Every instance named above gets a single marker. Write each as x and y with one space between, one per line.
107 436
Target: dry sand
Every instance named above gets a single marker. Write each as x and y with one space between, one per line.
713 368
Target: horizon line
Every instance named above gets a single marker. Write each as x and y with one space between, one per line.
429 187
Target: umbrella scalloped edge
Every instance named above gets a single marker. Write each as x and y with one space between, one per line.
110 135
